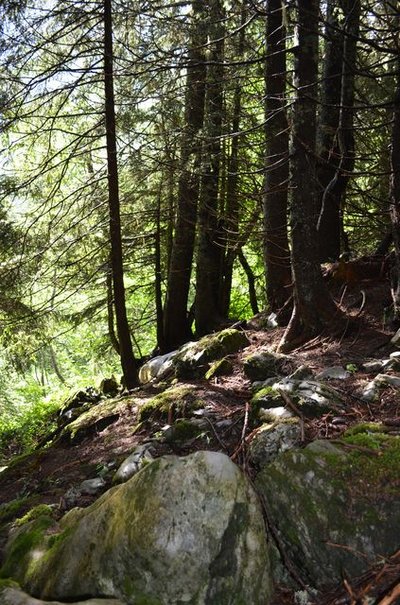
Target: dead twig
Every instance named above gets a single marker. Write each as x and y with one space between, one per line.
242 444
391 597
292 406
222 444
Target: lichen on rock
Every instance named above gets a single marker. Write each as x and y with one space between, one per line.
193 520
335 505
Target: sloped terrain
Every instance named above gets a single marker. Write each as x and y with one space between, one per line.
216 414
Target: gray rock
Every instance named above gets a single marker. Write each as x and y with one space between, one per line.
333 373
372 366
133 463
395 340
312 398
303 372
92 486
370 392
156 367
14 596
267 364
195 521
273 439
383 380
335 509
274 414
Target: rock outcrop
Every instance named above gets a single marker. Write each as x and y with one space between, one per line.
182 530
334 506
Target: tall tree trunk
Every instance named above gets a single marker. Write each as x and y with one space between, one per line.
330 218
328 151
177 328
276 245
128 362
210 244
394 191
314 309
232 208
251 281
110 309
158 275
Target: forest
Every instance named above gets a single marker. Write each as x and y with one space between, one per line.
171 169
199 267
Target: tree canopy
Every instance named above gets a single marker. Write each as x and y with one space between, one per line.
243 144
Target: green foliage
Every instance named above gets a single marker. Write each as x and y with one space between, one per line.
26 420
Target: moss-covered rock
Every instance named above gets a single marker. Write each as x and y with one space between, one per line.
180 400
274 439
311 397
96 418
11 594
222 367
266 397
10 510
267 364
335 506
195 521
193 358
186 430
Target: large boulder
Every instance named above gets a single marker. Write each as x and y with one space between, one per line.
182 530
12 595
193 359
335 506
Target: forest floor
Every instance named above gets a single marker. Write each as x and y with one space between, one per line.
52 471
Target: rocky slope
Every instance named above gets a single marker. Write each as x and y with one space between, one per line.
315 434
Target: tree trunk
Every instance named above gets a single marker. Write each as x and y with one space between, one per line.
328 152
158 276
210 243
276 245
128 362
232 207
394 191
177 328
314 309
330 218
110 309
251 281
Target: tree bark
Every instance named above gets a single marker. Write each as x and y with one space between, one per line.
177 329
330 218
210 240
276 245
251 281
232 207
128 362
328 151
110 309
158 276
394 191
314 308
